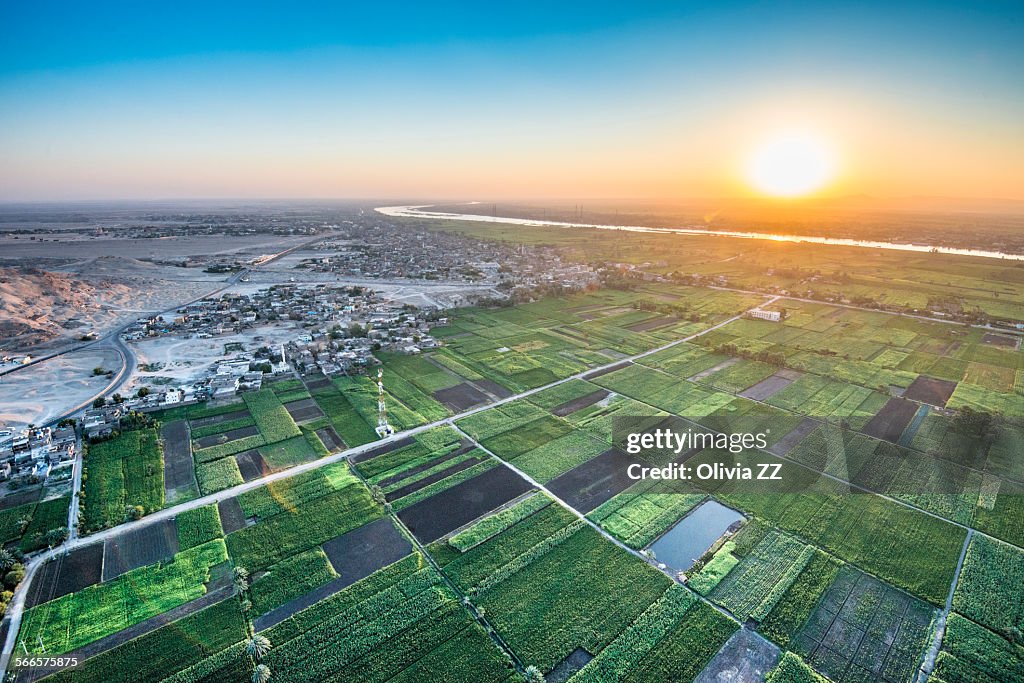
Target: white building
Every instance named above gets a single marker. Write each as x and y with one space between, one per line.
772 316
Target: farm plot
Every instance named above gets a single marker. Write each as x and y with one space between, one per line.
865 630
673 640
218 475
642 512
905 547
423 465
360 552
990 591
288 390
799 600
48 515
136 548
344 418
684 360
745 657
930 390
587 486
576 613
403 461
152 657
179 468
96 611
413 381
1001 513
124 472
299 513
407 406
448 468
399 624
197 526
490 423
1001 340
329 438
12 519
740 376
251 465
292 585
753 586
492 525
272 418
303 409
234 412
979 398
442 513
461 397
382 449
973 654
891 420
560 455
822 397
231 515
573 405
294 451
226 437
80 568
770 386
514 442
788 442
562 393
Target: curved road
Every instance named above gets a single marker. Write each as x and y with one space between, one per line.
17 605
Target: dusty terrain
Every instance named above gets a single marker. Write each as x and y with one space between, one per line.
167 359
42 309
42 392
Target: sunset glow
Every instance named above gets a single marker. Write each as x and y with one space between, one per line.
791 165
669 101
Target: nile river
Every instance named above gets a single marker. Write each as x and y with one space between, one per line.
419 212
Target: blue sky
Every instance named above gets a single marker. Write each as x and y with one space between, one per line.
465 100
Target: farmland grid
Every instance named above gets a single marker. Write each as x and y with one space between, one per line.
450 421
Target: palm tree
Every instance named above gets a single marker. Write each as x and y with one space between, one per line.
6 560
534 675
257 646
261 674
240 576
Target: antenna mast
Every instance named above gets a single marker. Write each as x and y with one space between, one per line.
383 428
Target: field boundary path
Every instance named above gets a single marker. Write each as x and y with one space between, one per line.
464 599
17 605
16 609
586 520
925 670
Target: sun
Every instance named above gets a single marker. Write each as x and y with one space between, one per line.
790 164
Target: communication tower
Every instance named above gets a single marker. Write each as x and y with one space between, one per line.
383 428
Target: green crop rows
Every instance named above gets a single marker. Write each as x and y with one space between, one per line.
123 472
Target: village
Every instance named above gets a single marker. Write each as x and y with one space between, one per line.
298 329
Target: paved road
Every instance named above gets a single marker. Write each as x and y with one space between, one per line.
114 341
17 605
16 609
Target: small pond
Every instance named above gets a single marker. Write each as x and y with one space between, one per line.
683 544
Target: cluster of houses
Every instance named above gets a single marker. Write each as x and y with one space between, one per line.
338 328
381 249
234 312
34 450
378 249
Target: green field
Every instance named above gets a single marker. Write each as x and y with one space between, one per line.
531 584
79 618
121 473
